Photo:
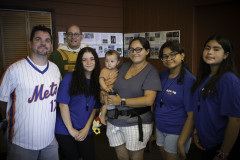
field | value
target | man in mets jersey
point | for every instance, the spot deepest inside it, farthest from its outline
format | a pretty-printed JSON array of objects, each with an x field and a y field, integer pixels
[{"x": 28, "y": 91}]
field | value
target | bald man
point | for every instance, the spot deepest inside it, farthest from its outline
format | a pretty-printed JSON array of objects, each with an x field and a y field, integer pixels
[{"x": 66, "y": 55}]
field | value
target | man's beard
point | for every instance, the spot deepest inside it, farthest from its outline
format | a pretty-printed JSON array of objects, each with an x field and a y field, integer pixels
[{"x": 43, "y": 53}]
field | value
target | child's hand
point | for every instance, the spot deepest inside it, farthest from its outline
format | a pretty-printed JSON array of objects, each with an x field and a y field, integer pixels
[
  {"x": 108, "y": 89},
  {"x": 73, "y": 132},
  {"x": 82, "y": 134},
  {"x": 197, "y": 141}
]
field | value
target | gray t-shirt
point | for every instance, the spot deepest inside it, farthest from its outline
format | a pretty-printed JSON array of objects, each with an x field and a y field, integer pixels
[{"x": 146, "y": 79}]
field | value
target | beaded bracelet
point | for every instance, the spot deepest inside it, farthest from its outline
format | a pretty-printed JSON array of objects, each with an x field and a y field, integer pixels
[{"x": 221, "y": 155}]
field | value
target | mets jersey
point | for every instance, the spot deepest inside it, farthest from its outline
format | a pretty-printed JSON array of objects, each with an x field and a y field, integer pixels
[{"x": 30, "y": 94}]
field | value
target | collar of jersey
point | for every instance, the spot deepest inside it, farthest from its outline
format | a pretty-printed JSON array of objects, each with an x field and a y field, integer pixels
[{"x": 42, "y": 72}]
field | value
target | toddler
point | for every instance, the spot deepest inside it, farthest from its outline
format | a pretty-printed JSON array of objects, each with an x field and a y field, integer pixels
[{"x": 107, "y": 78}]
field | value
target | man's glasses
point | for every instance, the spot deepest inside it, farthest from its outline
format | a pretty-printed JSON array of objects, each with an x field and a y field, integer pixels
[
  {"x": 138, "y": 50},
  {"x": 70, "y": 34},
  {"x": 171, "y": 55}
]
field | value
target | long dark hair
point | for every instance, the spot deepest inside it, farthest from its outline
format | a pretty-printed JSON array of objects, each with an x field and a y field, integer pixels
[
  {"x": 79, "y": 81},
  {"x": 227, "y": 65},
  {"x": 176, "y": 47}
]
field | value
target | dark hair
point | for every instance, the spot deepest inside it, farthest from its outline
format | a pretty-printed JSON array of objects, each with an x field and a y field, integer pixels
[
  {"x": 75, "y": 26},
  {"x": 79, "y": 81},
  {"x": 39, "y": 28},
  {"x": 144, "y": 42},
  {"x": 204, "y": 69},
  {"x": 112, "y": 52},
  {"x": 176, "y": 47}
]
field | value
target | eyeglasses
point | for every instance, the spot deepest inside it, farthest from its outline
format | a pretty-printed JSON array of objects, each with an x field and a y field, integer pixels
[
  {"x": 171, "y": 55},
  {"x": 138, "y": 50},
  {"x": 70, "y": 34}
]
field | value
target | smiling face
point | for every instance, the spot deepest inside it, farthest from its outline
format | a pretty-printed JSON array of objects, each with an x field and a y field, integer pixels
[
  {"x": 88, "y": 62},
  {"x": 137, "y": 57},
  {"x": 41, "y": 43},
  {"x": 74, "y": 37},
  {"x": 169, "y": 61},
  {"x": 213, "y": 53}
]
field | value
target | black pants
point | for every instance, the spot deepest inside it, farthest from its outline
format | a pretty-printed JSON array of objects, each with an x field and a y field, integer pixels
[
  {"x": 73, "y": 149},
  {"x": 197, "y": 154}
]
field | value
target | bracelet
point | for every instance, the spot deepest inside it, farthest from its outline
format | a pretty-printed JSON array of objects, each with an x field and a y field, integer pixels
[{"x": 221, "y": 155}]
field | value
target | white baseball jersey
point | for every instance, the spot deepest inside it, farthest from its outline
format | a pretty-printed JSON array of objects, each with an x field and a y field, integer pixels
[{"x": 31, "y": 97}]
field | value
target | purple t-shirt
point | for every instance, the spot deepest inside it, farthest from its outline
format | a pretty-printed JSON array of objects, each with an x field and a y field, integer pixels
[
  {"x": 146, "y": 79},
  {"x": 176, "y": 98},
  {"x": 79, "y": 113},
  {"x": 212, "y": 118}
]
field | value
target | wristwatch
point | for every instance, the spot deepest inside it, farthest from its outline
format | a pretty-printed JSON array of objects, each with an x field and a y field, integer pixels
[{"x": 123, "y": 102}]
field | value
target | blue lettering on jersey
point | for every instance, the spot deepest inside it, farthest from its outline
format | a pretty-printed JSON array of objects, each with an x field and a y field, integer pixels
[{"x": 39, "y": 94}]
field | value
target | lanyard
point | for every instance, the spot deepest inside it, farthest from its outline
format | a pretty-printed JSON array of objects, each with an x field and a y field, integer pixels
[
  {"x": 200, "y": 91},
  {"x": 163, "y": 92},
  {"x": 199, "y": 98},
  {"x": 88, "y": 98}
]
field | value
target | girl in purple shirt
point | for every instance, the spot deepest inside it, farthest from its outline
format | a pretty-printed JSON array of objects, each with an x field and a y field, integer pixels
[
  {"x": 173, "y": 107},
  {"x": 217, "y": 102},
  {"x": 78, "y": 98}
]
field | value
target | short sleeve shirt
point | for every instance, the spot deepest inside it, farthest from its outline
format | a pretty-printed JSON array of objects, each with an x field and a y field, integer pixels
[
  {"x": 176, "y": 102},
  {"x": 146, "y": 79},
  {"x": 211, "y": 117},
  {"x": 79, "y": 112}
]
